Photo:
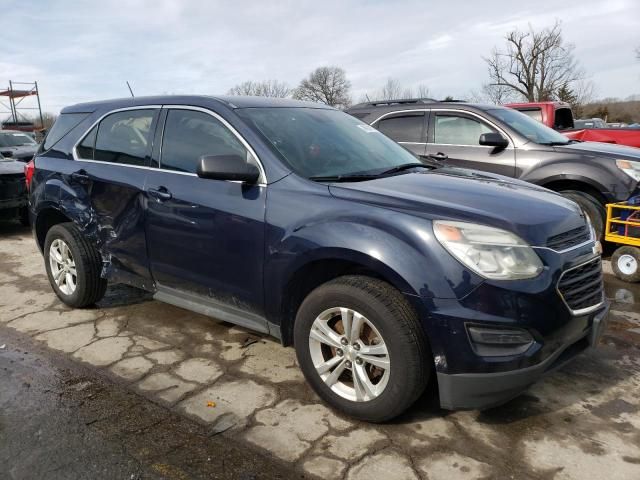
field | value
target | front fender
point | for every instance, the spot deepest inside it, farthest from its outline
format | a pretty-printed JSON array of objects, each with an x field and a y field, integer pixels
[
  {"x": 409, "y": 258},
  {"x": 602, "y": 176}
]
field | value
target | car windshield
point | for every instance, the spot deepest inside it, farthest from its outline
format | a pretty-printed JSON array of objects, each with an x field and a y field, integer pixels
[
  {"x": 317, "y": 142},
  {"x": 528, "y": 127},
  {"x": 15, "y": 139}
]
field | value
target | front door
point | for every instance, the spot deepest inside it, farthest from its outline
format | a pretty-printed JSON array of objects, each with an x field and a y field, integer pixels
[
  {"x": 205, "y": 237},
  {"x": 454, "y": 140}
]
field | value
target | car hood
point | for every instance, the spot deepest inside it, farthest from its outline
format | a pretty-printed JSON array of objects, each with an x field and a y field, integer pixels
[
  {"x": 534, "y": 213},
  {"x": 10, "y": 167},
  {"x": 23, "y": 152},
  {"x": 601, "y": 150}
]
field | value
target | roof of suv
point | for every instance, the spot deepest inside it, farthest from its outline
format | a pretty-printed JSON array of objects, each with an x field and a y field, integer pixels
[
  {"x": 363, "y": 110},
  {"x": 230, "y": 101}
]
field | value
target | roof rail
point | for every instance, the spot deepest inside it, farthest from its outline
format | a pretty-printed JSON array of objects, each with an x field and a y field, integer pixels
[{"x": 402, "y": 101}]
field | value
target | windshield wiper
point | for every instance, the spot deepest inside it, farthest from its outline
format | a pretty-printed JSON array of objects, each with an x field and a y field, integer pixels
[
  {"x": 406, "y": 166},
  {"x": 344, "y": 178}
]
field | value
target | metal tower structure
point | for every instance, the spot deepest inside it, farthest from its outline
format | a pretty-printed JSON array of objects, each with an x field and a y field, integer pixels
[{"x": 15, "y": 116}]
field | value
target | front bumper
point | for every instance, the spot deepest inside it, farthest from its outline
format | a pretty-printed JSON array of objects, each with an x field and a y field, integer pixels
[{"x": 486, "y": 390}]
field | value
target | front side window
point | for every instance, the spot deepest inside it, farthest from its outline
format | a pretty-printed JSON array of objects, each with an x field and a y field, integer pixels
[
  {"x": 457, "y": 130},
  {"x": 124, "y": 137},
  {"x": 405, "y": 128},
  {"x": 318, "y": 142},
  {"x": 189, "y": 134},
  {"x": 528, "y": 127}
]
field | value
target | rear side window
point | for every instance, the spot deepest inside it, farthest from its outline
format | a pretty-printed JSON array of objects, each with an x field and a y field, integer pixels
[
  {"x": 63, "y": 125},
  {"x": 455, "y": 130},
  {"x": 86, "y": 148},
  {"x": 404, "y": 128},
  {"x": 190, "y": 134},
  {"x": 122, "y": 137}
]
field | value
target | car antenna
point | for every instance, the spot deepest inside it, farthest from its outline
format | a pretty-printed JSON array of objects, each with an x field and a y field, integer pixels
[{"x": 131, "y": 91}]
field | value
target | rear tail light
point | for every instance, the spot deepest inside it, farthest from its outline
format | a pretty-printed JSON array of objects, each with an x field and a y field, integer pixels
[{"x": 29, "y": 169}]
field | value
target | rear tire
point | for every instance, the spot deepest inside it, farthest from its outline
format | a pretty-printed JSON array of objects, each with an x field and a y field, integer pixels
[
  {"x": 73, "y": 266},
  {"x": 591, "y": 207},
  {"x": 625, "y": 263},
  {"x": 374, "y": 392}
]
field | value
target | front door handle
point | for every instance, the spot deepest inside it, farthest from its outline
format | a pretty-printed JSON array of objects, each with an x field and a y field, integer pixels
[
  {"x": 161, "y": 193},
  {"x": 81, "y": 176},
  {"x": 438, "y": 156}
]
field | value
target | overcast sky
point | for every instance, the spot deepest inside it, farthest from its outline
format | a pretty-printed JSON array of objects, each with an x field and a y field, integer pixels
[{"x": 81, "y": 50}]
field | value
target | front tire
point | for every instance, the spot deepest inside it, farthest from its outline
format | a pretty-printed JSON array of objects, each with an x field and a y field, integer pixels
[
  {"x": 361, "y": 348},
  {"x": 73, "y": 266}
]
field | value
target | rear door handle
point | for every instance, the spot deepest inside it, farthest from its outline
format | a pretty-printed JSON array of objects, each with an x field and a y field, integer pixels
[
  {"x": 81, "y": 176},
  {"x": 161, "y": 193},
  {"x": 438, "y": 156}
]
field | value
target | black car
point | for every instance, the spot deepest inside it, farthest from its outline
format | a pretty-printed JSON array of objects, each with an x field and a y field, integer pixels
[
  {"x": 13, "y": 191},
  {"x": 17, "y": 145},
  {"x": 302, "y": 222},
  {"x": 507, "y": 142}
]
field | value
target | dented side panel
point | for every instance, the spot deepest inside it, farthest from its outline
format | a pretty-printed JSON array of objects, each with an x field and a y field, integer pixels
[{"x": 108, "y": 208}]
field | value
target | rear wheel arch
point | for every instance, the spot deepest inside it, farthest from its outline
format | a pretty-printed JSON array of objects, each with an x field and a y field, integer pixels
[{"x": 45, "y": 219}]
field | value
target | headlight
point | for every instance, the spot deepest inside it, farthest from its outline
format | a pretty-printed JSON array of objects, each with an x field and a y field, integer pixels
[
  {"x": 630, "y": 168},
  {"x": 490, "y": 252}
]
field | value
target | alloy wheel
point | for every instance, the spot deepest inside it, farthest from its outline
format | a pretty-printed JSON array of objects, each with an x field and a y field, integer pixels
[
  {"x": 63, "y": 267},
  {"x": 349, "y": 354}
]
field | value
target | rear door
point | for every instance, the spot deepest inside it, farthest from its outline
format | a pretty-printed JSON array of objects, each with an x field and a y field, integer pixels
[
  {"x": 112, "y": 162},
  {"x": 408, "y": 128},
  {"x": 205, "y": 237},
  {"x": 454, "y": 139}
]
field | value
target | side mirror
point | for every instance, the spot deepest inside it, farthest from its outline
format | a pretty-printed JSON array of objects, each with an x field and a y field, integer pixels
[
  {"x": 227, "y": 167},
  {"x": 493, "y": 139}
]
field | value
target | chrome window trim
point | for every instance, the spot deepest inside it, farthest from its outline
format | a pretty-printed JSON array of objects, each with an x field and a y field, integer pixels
[
  {"x": 262, "y": 181},
  {"x": 581, "y": 311}
]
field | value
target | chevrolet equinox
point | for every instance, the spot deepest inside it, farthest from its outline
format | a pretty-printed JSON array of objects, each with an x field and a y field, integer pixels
[{"x": 302, "y": 222}]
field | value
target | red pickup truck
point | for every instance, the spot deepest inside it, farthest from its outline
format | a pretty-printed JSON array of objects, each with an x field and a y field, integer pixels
[{"x": 558, "y": 115}]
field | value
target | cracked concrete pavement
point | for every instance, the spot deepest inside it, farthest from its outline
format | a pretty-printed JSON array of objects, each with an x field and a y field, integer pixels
[{"x": 579, "y": 423}]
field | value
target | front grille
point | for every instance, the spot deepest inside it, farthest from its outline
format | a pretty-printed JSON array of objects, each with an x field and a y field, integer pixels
[
  {"x": 582, "y": 287},
  {"x": 569, "y": 239}
]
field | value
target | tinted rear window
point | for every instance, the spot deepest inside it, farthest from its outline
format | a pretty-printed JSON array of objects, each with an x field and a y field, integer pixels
[
  {"x": 406, "y": 128},
  {"x": 124, "y": 137},
  {"x": 64, "y": 124}
]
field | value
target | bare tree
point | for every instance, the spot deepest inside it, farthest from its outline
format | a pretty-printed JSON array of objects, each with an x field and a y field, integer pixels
[
  {"x": 328, "y": 85},
  {"x": 535, "y": 64},
  {"x": 264, "y": 88},
  {"x": 393, "y": 90},
  {"x": 495, "y": 94},
  {"x": 422, "y": 91}
]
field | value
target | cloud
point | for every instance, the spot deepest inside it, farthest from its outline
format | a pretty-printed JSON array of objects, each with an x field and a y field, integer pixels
[{"x": 81, "y": 50}]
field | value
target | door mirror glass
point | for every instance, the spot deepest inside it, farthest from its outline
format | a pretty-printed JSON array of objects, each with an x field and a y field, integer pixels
[
  {"x": 493, "y": 139},
  {"x": 227, "y": 167}
]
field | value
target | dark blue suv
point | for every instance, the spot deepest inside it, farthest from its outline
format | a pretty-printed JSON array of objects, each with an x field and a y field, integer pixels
[{"x": 300, "y": 221}]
